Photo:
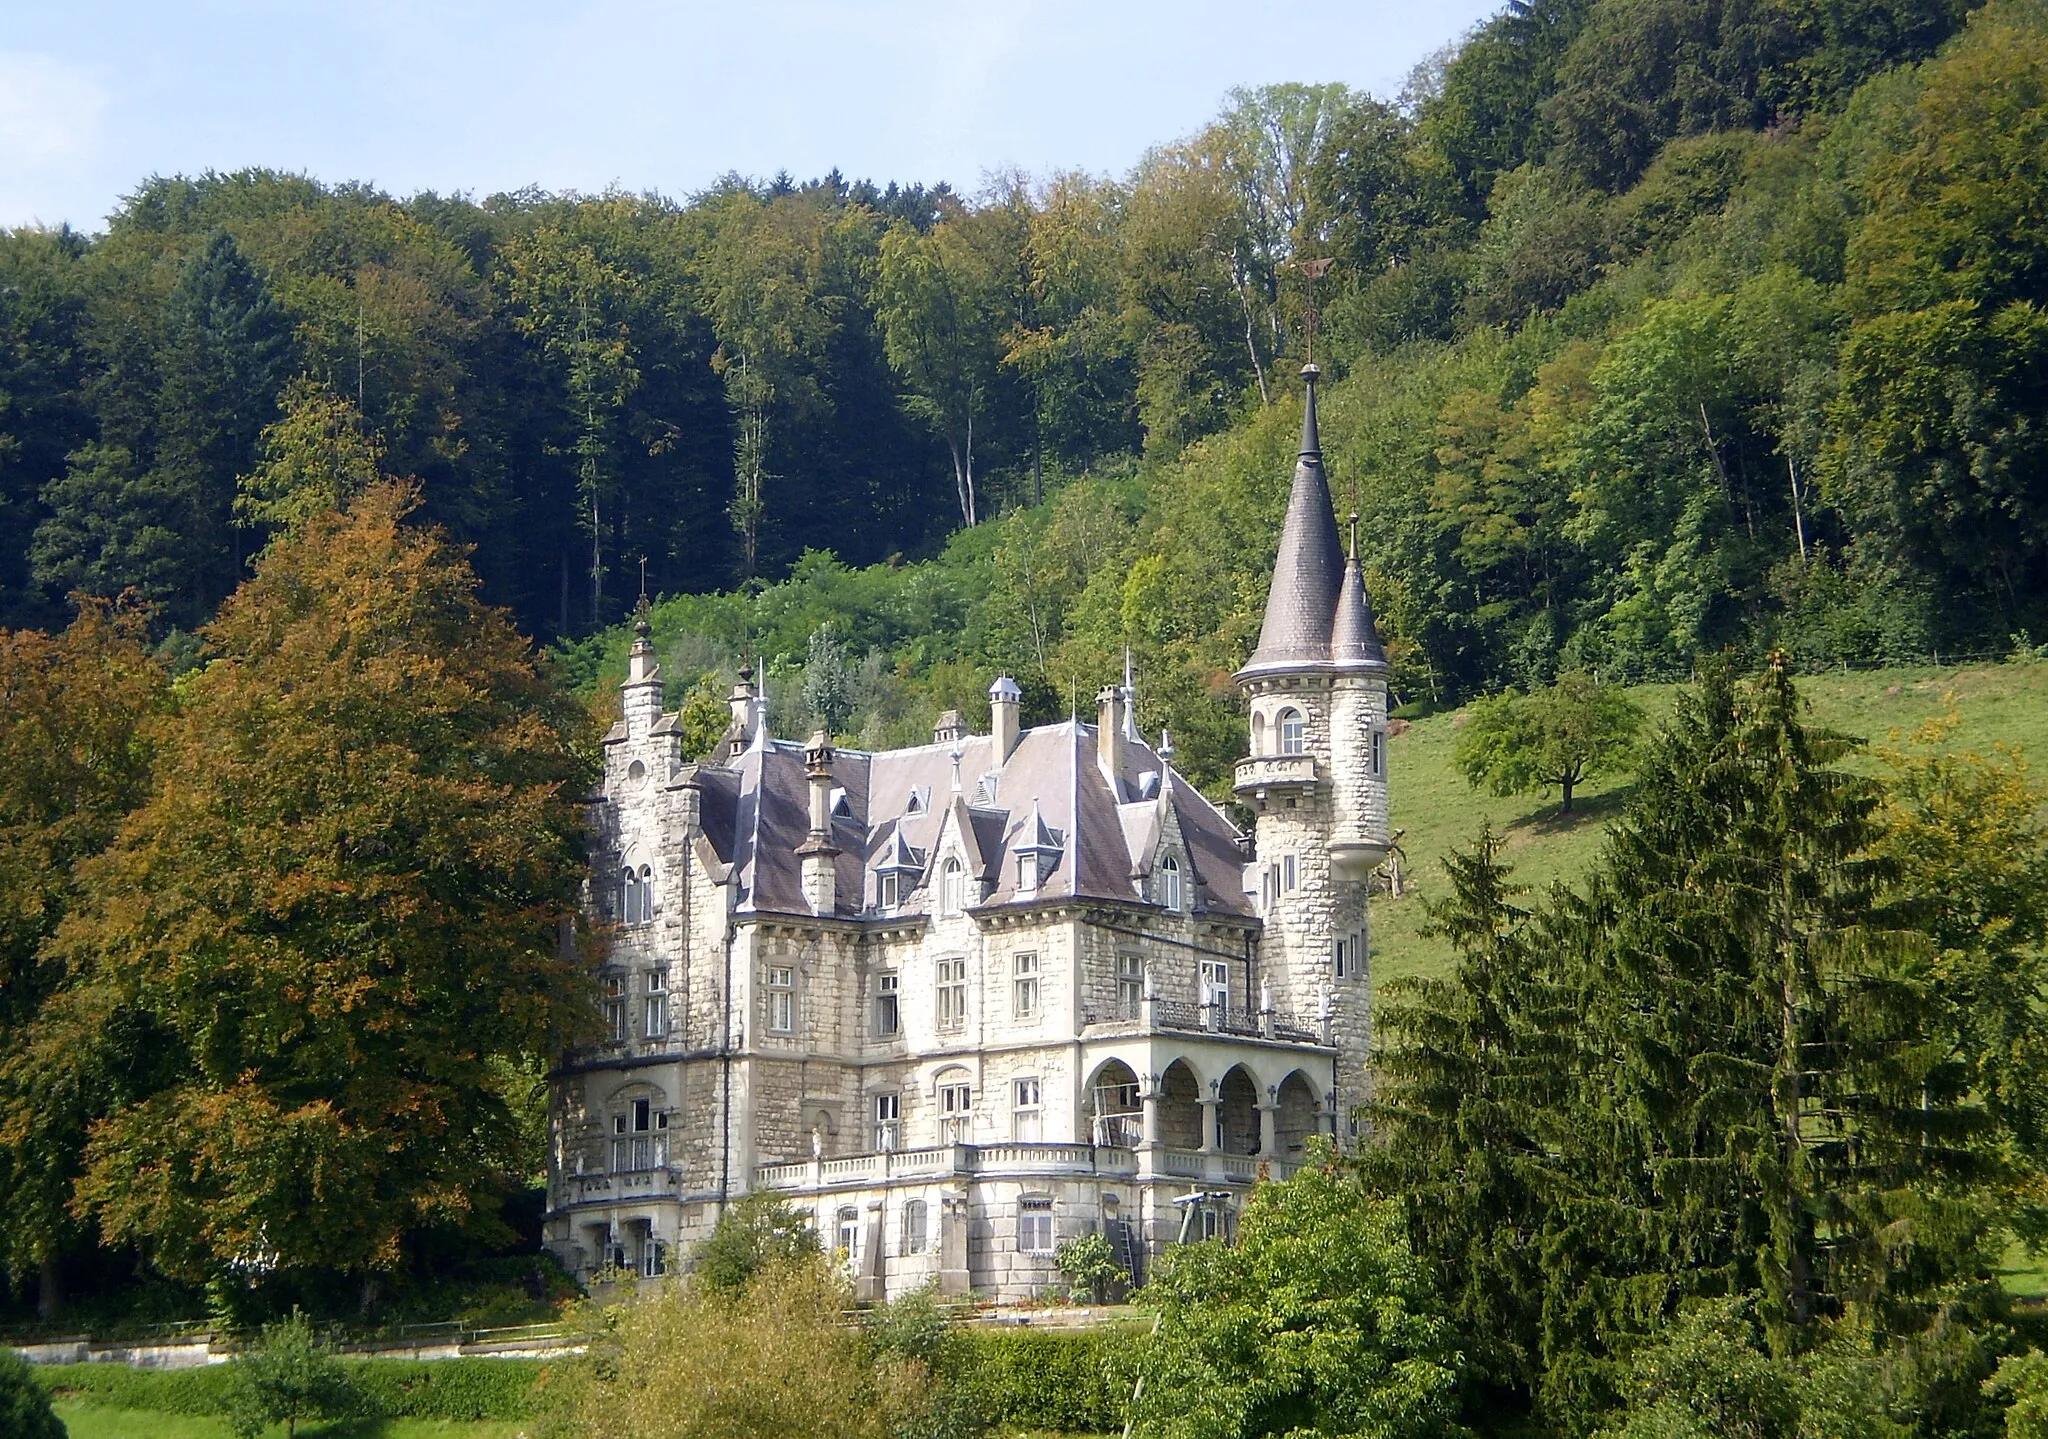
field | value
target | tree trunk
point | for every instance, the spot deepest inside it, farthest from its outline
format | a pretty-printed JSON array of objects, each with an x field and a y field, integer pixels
[
  {"x": 1251, "y": 344},
  {"x": 1566, "y": 785},
  {"x": 50, "y": 1287},
  {"x": 1798, "y": 511}
]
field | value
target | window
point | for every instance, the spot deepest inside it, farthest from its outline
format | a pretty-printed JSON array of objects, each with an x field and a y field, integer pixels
[
  {"x": 888, "y": 1121},
  {"x": 849, "y": 1232},
  {"x": 1293, "y": 732},
  {"x": 1026, "y": 1115},
  {"x": 1024, "y": 986},
  {"x": 1216, "y": 983},
  {"x": 1342, "y": 957},
  {"x": 653, "y": 1258},
  {"x": 956, "y": 1112},
  {"x": 1212, "y": 1222},
  {"x": 782, "y": 1001},
  {"x": 888, "y": 1005},
  {"x": 950, "y": 888},
  {"x": 1034, "y": 1226},
  {"x": 1169, "y": 883},
  {"x": 615, "y": 1007},
  {"x": 1027, "y": 871},
  {"x": 1351, "y": 956},
  {"x": 1287, "y": 874},
  {"x": 1130, "y": 985},
  {"x": 1379, "y": 753},
  {"x": 639, "y": 1138},
  {"x": 892, "y": 890},
  {"x": 656, "y": 1016},
  {"x": 952, "y": 993},
  {"x": 913, "y": 1227},
  {"x": 636, "y": 895}
]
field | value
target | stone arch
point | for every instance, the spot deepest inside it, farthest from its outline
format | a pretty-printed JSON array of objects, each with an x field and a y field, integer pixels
[
  {"x": 1180, "y": 1106},
  {"x": 1258, "y": 732},
  {"x": 1115, "y": 1112},
  {"x": 824, "y": 1130},
  {"x": 1300, "y": 1114},
  {"x": 1291, "y": 726},
  {"x": 1237, "y": 1116}
]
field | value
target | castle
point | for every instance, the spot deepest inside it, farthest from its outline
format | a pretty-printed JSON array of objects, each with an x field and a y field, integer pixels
[{"x": 964, "y": 1001}]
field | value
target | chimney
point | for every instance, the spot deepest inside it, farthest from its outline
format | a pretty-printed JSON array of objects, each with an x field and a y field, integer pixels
[
  {"x": 819, "y": 855},
  {"x": 740, "y": 733},
  {"x": 950, "y": 729},
  {"x": 1109, "y": 734},
  {"x": 640, "y": 696},
  {"x": 1003, "y": 699}
]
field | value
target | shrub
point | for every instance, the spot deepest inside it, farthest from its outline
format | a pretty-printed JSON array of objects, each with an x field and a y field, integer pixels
[
  {"x": 458, "y": 1389},
  {"x": 24, "y": 1406},
  {"x": 289, "y": 1375},
  {"x": 1075, "y": 1382}
]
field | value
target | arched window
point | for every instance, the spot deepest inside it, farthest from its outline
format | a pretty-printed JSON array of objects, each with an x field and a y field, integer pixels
[
  {"x": 636, "y": 895},
  {"x": 950, "y": 887},
  {"x": 913, "y": 1227},
  {"x": 1169, "y": 883},
  {"x": 1293, "y": 732}
]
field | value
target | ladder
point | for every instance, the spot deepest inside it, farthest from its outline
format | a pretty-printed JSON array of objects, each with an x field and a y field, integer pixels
[{"x": 1125, "y": 1247}]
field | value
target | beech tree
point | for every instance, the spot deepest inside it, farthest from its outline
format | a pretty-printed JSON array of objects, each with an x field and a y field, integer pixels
[{"x": 347, "y": 898}]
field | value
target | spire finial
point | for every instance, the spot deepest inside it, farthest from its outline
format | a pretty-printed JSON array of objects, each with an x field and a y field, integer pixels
[{"x": 1354, "y": 534}]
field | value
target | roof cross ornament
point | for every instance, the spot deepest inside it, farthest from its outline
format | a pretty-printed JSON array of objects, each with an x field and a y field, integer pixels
[{"x": 1314, "y": 270}]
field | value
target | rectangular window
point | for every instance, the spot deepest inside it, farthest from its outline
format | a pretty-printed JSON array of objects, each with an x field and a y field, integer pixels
[
  {"x": 956, "y": 1113},
  {"x": 639, "y": 1138},
  {"x": 615, "y": 1007},
  {"x": 1130, "y": 985},
  {"x": 1379, "y": 753},
  {"x": 888, "y": 1006},
  {"x": 1027, "y": 1126},
  {"x": 888, "y": 1121},
  {"x": 1287, "y": 873},
  {"x": 653, "y": 1259},
  {"x": 1034, "y": 1226},
  {"x": 782, "y": 1001},
  {"x": 655, "y": 1018},
  {"x": 1343, "y": 957},
  {"x": 891, "y": 890},
  {"x": 913, "y": 1227},
  {"x": 1024, "y": 986},
  {"x": 952, "y": 993},
  {"x": 1216, "y": 983}
]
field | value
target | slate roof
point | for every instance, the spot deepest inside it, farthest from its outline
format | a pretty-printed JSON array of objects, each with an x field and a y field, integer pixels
[
  {"x": 1050, "y": 792},
  {"x": 1317, "y": 613}
]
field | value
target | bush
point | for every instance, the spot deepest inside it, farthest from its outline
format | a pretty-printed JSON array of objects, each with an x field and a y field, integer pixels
[
  {"x": 459, "y": 1389},
  {"x": 24, "y": 1406},
  {"x": 287, "y": 1376},
  {"x": 1076, "y": 1382}
]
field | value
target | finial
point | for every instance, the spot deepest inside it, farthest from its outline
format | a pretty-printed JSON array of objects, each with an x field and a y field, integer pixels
[
  {"x": 956, "y": 766},
  {"x": 1354, "y": 534},
  {"x": 641, "y": 628},
  {"x": 643, "y": 579},
  {"x": 1165, "y": 746}
]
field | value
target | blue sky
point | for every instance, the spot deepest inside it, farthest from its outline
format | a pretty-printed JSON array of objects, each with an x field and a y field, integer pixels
[{"x": 581, "y": 94}]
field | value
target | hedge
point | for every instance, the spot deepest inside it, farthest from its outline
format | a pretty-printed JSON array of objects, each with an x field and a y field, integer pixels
[
  {"x": 472, "y": 1389},
  {"x": 1075, "y": 1381}
]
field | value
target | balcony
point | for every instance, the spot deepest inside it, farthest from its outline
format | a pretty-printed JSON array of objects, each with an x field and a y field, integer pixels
[
  {"x": 1178, "y": 1016},
  {"x": 990, "y": 1160},
  {"x": 1262, "y": 775}
]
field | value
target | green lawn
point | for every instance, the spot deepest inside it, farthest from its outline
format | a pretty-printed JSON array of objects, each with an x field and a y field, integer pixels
[
  {"x": 1439, "y": 811},
  {"x": 89, "y": 1421}
]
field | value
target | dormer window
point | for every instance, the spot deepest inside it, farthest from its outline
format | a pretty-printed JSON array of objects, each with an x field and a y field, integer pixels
[
  {"x": 1170, "y": 883},
  {"x": 1293, "y": 732},
  {"x": 917, "y": 803},
  {"x": 1027, "y": 870},
  {"x": 897, "y": 872},
  {"x": 892, "y": 890}
]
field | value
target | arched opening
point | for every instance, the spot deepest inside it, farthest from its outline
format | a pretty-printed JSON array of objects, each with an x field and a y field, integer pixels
[
  {"x": 1115, "y": 1116},
  {"x": 1293, "y": 732},
  {"x": 824, "y": 1134},
  {"x": 1180, "y": 1107},
  {"x": 1258, "y": 733},
  {"x": 1237, "y": 1117},
  {"x": 949, "y": 888},
  {"x": 1299, "y": 1116}
]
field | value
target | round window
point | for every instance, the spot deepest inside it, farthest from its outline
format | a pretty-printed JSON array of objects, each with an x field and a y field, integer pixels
[{"x": 637, "y": 772}]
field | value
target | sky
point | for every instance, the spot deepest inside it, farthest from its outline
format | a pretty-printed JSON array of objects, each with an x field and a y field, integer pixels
[{"x": 461, "y": 95}]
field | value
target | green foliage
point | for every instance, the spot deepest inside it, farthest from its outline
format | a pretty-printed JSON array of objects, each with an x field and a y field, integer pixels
[
  {"x": 759, "y": 1232},
  {"x": 1319, "y": 1321},
  {"x": 1089, "y": 1265},
  {"x": 1561, "y": 736},
  {"x": 288, "y": 1375},
  {"x": 451, "y": 1389},
  {"x": 24, "y": 1404},
  {"x": 1063, "y": 1382},
  {"x": 2022, "y": 1381}
]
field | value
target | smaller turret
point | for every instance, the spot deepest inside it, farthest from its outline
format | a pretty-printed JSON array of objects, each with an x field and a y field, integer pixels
[
  {"x": 819, "y": 855},
  {"x": 640, "y": 696}
]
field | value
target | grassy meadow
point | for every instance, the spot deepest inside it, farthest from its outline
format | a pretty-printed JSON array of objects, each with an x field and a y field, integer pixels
[
  {"x": 91, "y": 1421},
  {"x": 1996, "y": 704}
]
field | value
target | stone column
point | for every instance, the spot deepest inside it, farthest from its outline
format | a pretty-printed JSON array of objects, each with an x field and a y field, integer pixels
[
  {"x": 1211, "y": 1109},
  {"x": 872, "y": 1287},
  {"x": 1269, "y": 1131},
  {"x": 953, "y": 1275}
]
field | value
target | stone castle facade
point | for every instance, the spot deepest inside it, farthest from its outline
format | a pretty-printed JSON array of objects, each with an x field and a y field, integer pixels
[{"x": 964, "y": 1001}]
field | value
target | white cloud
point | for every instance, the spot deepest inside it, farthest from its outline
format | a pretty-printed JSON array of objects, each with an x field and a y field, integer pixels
[{"x": 49, "y": 113}]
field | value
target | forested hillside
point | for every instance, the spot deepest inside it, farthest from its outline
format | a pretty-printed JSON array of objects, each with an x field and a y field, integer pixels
[{"x": 1657, "y": 327}]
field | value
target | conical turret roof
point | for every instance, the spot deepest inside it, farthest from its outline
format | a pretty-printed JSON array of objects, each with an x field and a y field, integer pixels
[{"x": 1315, "y": 601}]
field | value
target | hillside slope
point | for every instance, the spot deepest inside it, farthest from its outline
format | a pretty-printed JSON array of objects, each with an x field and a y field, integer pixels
[{"x": 1438, "y": 811}]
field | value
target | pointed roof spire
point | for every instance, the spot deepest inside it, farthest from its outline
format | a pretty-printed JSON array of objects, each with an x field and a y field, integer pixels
[{"x": 1309, "y": 569}]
